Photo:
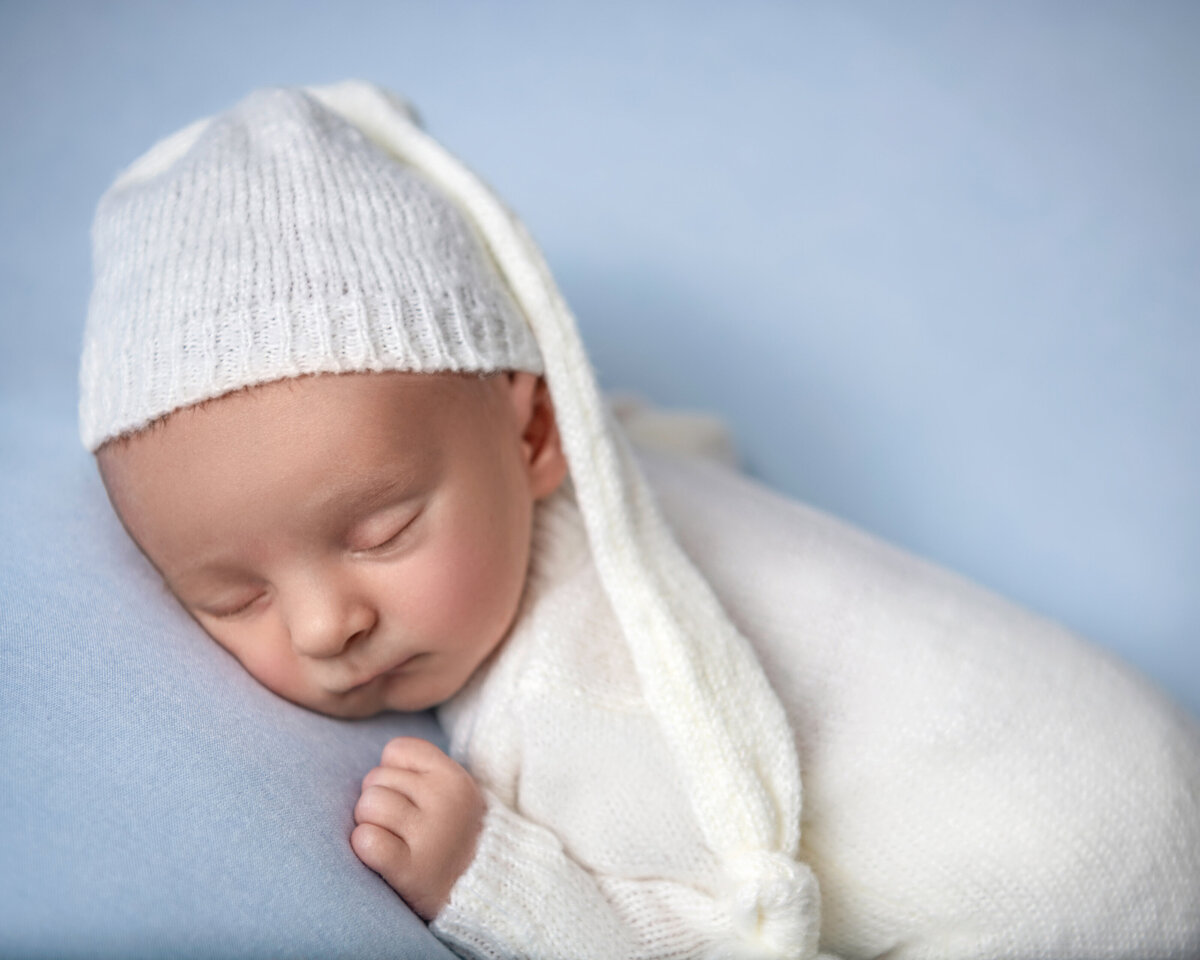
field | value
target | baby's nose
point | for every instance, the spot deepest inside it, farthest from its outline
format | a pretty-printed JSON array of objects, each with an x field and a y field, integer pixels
[{"x": 324, "y": 620}]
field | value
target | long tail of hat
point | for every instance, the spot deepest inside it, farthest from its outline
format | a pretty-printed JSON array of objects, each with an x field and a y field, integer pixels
[{"x": 700, "y": 677}]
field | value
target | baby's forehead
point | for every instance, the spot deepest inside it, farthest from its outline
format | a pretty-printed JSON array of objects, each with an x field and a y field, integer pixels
[
  {"x": 356, "y": 436},
  {"x": 293, "y": 406}
]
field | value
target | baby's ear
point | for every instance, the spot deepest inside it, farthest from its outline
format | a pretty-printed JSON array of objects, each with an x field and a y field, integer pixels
[{"x": 541, "y": 445}]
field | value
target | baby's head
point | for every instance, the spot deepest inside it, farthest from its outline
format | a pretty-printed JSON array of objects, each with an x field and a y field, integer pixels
[
  {"x": 358, "y": 541},
  {"x": 315, "y": 403}
]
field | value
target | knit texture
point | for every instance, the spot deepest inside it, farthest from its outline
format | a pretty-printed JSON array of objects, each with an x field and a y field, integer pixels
[
  {"x": 979, "y": 783},
  {"x": 280, "y": 239},
  {"x": 590, "y": 847},
  {"x": 272, "y": 241}
]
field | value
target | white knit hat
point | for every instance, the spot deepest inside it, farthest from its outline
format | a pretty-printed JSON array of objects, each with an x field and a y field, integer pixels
[
  {"x": 320, "y": 229},
  {"x": 272, "y": 241}
]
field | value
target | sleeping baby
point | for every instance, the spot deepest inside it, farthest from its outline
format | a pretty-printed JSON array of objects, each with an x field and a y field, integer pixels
[{"x": 338, "y": 402}]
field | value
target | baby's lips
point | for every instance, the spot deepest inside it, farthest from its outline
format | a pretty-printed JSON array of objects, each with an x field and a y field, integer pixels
[{"x": 391, "y": 671}]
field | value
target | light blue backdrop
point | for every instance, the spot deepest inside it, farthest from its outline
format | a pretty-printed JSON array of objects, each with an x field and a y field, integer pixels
[{"x": 937, "y": 263}]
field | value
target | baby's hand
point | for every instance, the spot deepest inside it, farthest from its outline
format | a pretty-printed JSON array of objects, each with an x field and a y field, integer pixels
[{"x": 418, "y": 818}]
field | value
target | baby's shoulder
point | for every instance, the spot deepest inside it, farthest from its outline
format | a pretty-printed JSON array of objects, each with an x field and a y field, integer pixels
[{"x": 574, "y": 642}]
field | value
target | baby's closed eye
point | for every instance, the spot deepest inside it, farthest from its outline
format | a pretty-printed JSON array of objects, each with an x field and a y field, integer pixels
[
  {"x": 228, "y": 609},
  {"x": 380, "y": 534}
]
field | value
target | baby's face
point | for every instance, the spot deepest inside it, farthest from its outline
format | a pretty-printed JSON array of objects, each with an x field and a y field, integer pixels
[{"x": 359, "y": 542}]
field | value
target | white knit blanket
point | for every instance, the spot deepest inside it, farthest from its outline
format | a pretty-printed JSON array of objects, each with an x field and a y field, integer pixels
[{"x": 978, "y": 782}]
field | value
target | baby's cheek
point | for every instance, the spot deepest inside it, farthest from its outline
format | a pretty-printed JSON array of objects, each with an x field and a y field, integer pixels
[
  {"x": 273, "y": 665},
  {"x": 478, "y": 590}
]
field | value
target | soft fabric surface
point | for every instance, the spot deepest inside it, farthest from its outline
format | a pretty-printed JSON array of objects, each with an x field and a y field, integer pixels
[
  {"x": 591, "y": 848},
  {"x": 978, "y": 781}
]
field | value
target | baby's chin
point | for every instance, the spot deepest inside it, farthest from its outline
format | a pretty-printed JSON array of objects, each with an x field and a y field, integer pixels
[
  {"x": 362, "y": 707},
  {"x": 346, "y": 711}
]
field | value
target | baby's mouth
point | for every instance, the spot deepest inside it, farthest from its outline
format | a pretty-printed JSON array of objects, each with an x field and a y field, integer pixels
[
  {"x": 403, "y": 666},
  {"x": 392, "y": 671}
]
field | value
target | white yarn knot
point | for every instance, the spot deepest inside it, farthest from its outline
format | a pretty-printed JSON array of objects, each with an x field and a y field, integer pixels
[{"x": 775, "y": 905}]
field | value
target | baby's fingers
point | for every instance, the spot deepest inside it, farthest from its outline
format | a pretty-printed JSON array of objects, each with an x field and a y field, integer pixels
[
  {"x": 404, "y": 782},
  {"x": 384, "y": 852},
  {"x": 413, "y": 753},
  {"x": 386, "y": 808}
]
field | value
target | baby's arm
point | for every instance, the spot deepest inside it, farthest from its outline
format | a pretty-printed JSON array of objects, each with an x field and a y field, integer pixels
[
  {"x": 525, "y": 897},
  {"x": 421, "y": 820},
  {"x": 419, "y": 816},
  {"x": 426, "y": 827}
]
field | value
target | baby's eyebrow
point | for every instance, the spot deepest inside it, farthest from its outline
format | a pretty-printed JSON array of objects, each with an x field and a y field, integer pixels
[{"x": 358, "y": 497}]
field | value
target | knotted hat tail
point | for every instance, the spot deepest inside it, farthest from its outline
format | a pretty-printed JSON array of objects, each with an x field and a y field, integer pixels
[{"x": 700, "y": 677}]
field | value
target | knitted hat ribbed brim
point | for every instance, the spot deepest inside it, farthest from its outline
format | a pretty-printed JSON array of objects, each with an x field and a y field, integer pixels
[{"x": 273, "y": 241}]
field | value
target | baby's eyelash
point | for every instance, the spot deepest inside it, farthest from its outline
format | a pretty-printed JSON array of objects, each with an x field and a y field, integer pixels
[
  {"x": 393, "y": 538},
  {"x": 226, "y": 614},
  {"x": 390, "y": 540}
]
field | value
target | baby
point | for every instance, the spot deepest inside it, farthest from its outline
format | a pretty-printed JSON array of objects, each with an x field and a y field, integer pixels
[{"x": 337, "y": 401}]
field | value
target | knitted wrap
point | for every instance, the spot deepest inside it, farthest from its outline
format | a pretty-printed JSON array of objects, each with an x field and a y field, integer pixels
[{"x": 321, "y": 230}]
